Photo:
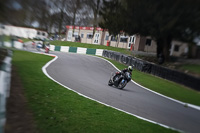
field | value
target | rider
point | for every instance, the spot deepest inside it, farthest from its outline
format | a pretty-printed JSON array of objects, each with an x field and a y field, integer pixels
[{"x": 129, "y": 69}]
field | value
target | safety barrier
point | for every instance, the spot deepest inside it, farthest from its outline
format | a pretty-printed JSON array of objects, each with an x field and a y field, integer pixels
[
  {"x": 14, "y": 44},
  {"x": 5, "y": 78},
  {"x": 154, "y": 69},
  {"x": 78, "y": 50}
]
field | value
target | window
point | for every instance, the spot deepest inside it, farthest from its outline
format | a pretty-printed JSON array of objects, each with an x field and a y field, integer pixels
[
  {"x": 176, "y": 48},
  {"x": 148, "y": 42},
  {"x": 123, "y": 39},
  {"x": 89, "y": 36},
  {"x": 82, "y": 35},
  {"x": 114, "y": 38},
  {"x": 43, "y": 34},
  {"x": 131, "y": 39},
  {"x": 38, "y": 33},
  {"x": 75, "y": 34},
  {"x": 107, "y": 37},
  {"x": 96, "y": 38}
]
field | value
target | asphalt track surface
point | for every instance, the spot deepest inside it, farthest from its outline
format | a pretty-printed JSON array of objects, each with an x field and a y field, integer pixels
[{"x": 89, "y": 76}]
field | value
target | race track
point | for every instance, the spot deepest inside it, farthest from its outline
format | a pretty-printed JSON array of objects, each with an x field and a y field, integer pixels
[{"x": 89, "y": 76}]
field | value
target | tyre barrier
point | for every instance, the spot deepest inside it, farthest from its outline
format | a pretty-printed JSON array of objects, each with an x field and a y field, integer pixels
[
  {"x": 78, "y": 50},
  {"x": 151, "y": 68},
  {"x": 5, "y": 78}
]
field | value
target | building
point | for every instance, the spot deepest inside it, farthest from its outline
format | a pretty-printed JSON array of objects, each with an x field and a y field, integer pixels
[
  {"x": 134, "y": 42},
  {"x": 85, "y": 34},
  {"x": 23, "y": 32}
]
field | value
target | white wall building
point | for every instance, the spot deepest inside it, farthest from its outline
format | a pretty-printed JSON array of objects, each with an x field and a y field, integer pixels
[
  {"x": 136, "y": 42},
  {"x": 23, "y": 32}
]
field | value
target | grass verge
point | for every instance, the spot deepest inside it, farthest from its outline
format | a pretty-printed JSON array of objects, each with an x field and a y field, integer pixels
[
  {"x": 8, "y": 39},
  {"x": 194, "y": 68},
  {"x": 57, "y": 109}
]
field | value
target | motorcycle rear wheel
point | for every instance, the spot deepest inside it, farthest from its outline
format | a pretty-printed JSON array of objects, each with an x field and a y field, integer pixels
[{"x": 110, "y": 83}]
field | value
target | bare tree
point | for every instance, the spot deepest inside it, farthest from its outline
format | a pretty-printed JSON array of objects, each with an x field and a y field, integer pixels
[
  {"x": 60, "y": 10},
  {"x": 94, "y": 7},
  {"x": 75, "y": 7}
]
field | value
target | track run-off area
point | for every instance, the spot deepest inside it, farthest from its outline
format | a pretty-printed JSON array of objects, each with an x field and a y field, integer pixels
[{"x": 88, "y": 76}]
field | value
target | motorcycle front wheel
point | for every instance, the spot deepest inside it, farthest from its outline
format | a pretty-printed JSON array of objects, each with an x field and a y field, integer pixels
[{"x": 122, "y": 84}]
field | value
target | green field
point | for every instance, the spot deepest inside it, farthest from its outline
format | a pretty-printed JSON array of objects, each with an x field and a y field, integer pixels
[
  {"x": 8, "y": 39},
  {"x": 193, "y": 68},
  {"x": 57, "y": 109}
]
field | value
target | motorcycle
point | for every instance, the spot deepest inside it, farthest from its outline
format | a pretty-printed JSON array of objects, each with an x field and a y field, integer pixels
[
  {"x": 119, "y": 80},
  {"x": 39, "y": 46},
  {"x": 47, "y": 47},
  {"x": 43, "y": 47}
]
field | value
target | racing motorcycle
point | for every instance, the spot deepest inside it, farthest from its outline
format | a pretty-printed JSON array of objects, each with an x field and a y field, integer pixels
[
  {"x": 119, "y": 80},
  {"x": 39, "y": 46},
  {"x": 43, "y": 47},
  {"x": 47, "y": 47}
]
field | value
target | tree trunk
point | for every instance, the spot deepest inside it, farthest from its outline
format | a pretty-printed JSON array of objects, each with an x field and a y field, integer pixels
[
  {"x": 96, "y": 12},
  {"x": 160, "y": 56},
  {"x": 60, "y": 21},
  {"x": 166, "y": 51},
  {"x": 73, "y": 21},
  {"x": 163, "y": 49},
  {"x": 167, "y": 44},
  {"x": 94, "y": 22}
]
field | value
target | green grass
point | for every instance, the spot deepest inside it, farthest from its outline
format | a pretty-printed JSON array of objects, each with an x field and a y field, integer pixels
[
  {"x": 26, "y": 40},
  {"x": 194, "y": 68},
  {"x": 59, "y": 110},
  {"x": 85, "y": 45},
  {"x": 163, "y": 86},
  {"x": 8, "y": 39}
]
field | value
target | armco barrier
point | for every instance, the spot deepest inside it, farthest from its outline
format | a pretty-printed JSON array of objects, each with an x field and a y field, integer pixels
[
  {"x": 14, "y": 44},
  {"x": 5, "y": 77},
  {"x": 154, "y": 69}
]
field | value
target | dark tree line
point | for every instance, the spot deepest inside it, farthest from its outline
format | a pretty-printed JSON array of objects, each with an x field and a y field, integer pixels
[{"x": 163, "y": 20}]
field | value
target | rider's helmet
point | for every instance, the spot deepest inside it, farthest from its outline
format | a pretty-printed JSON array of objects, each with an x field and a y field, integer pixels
[{"x": 130, "y": 68}]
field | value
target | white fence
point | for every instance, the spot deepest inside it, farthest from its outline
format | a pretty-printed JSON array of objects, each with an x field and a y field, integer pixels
[
  {"x": 5, "y": 78},
  {"x": 23, "y": 32}
]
